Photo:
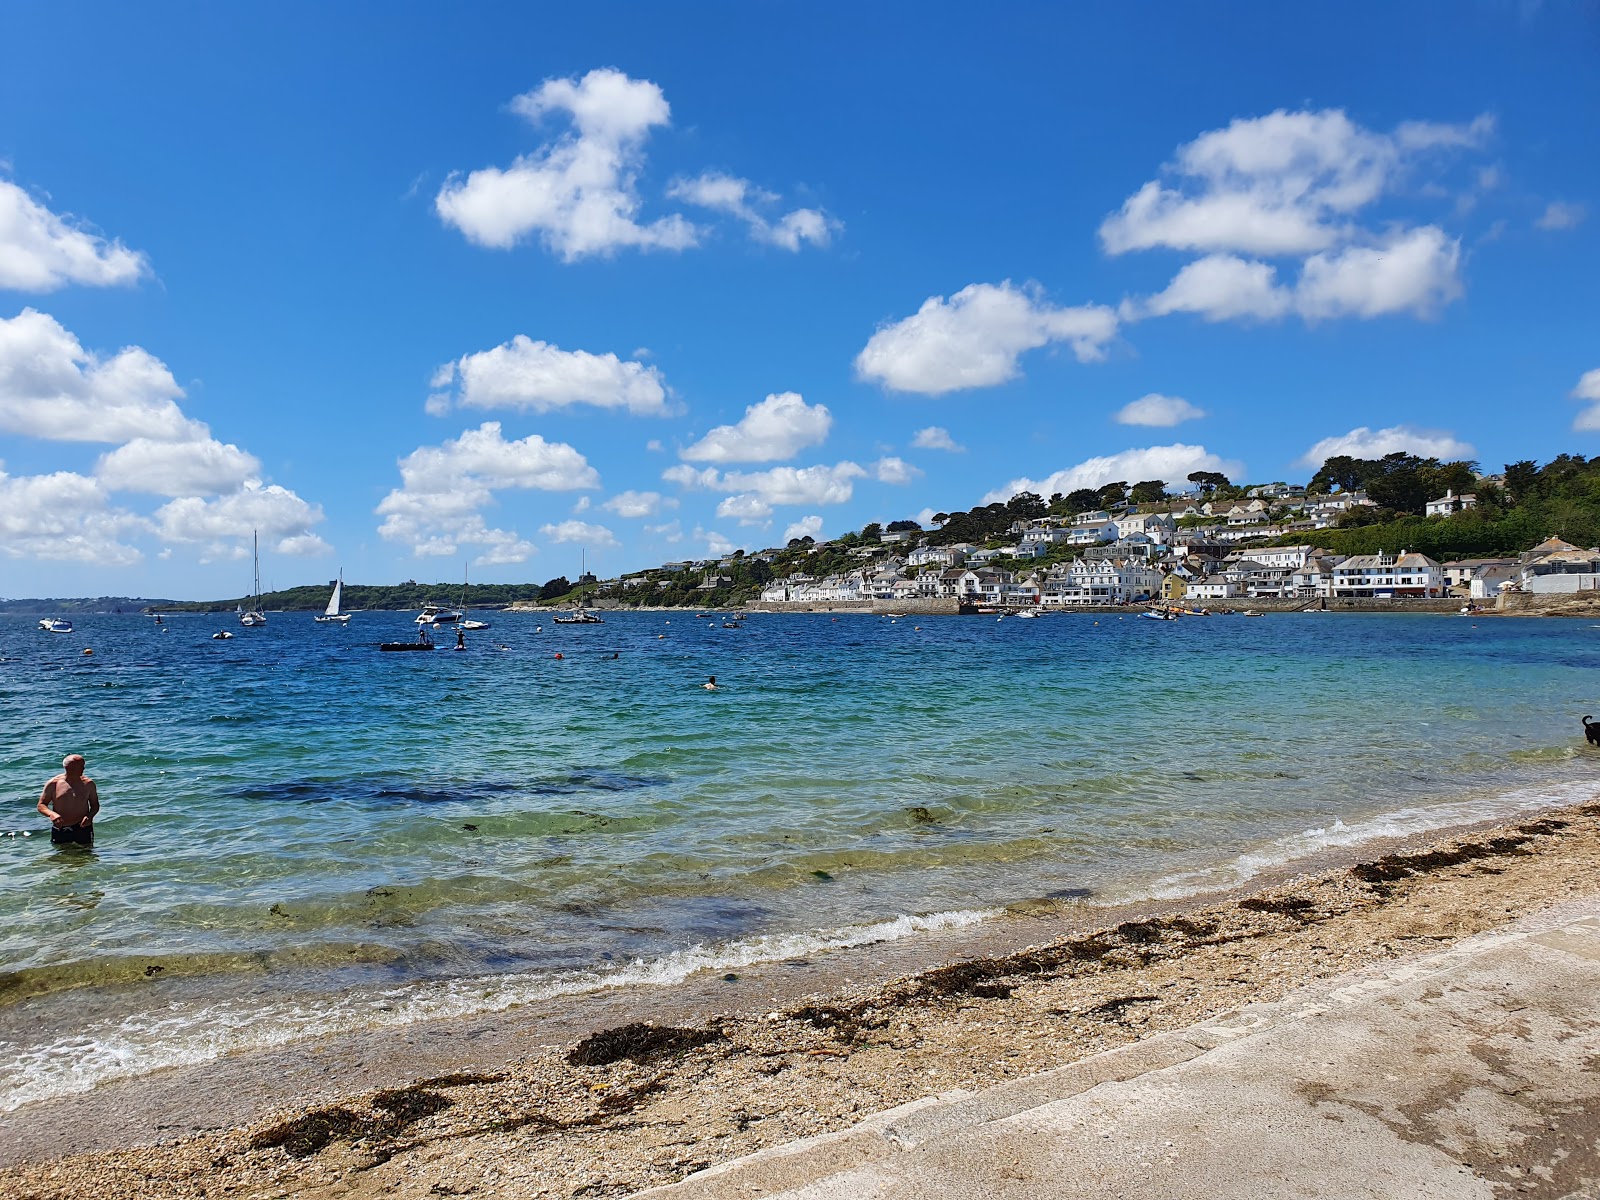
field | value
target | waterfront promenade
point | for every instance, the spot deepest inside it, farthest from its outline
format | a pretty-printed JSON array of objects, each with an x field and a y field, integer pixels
[{"x": 1461, "y": 1074}]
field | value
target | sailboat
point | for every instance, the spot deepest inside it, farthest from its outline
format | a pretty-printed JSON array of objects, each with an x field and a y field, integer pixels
[
  {"x": 255, "y": 616},
  {"x": 331, "y": 615},
  {"x": 467, "y": 622},
  {"x": 583, "y": 616}
]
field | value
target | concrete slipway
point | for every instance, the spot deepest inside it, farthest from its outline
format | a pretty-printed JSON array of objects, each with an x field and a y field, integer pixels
[{"x": 1468, "y": 1073}]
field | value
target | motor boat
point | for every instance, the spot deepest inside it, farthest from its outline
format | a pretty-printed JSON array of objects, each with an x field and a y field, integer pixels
[
  {"x": 435, "y": 614},
  {"x": 55, "y": 625},
  {"x": 222, "y": 635},
  {"x": 581, "y": 617}
]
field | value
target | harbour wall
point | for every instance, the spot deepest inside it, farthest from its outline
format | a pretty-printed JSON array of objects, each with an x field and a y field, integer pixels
[{"x": 928, "y": 607}]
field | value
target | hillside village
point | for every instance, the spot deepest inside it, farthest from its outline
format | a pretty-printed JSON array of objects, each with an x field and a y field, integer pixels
[{"x": 1217, "y": 543}]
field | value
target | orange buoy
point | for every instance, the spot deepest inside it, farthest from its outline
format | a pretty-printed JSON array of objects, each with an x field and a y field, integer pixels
[
  {"x": 559, "y": 654},
  {"x": 86, "y": 650}
]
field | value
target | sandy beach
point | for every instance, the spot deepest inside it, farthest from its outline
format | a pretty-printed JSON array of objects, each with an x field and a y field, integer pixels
[{"x": 536, "y": 1107}]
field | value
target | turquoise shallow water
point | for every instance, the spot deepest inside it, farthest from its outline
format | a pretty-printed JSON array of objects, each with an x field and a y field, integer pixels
[{"x": 301, "y": 833}]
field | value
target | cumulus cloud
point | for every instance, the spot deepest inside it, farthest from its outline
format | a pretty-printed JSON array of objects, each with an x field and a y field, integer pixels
[
  {"x": 741, "y": 199},
  {"x": 778, "y": 427},
  {"x": 935, "y": 437},
  {"x": 1363, "y": 442},
  {"x": 1171, "y": 463},
  {"x": 579, "y": 193},
  {"x": 283, "y": 520},
  {"x": 65, "y": 517},
  {"x": 529, "y": 376},
  {"x": 717, "y": 543},
  {"x": 581, "y": 532},
  {"x": 810, "y": 527},
  {"x": 1293, "y": 185},
  {"x": 1560, "y": 215},
  {"x": 1221, "y": 287},
  {"x": 670, "y": 532},
  {"x": 779, "y": 485},
  {"x": 975, "y": 338},
  {"x": 202, "y": 468},
  {"x": 637, "y": 504},
  {"x": 51, "y": 387},
  {"x": 443, "y": 488},
  {"x": 747, "y": 508},
  {"x": 41, "y": 251},
  {"x": 1410, "y": 271},
  {"x": 1158, "y": 410},
  {"x": 895, "y": 470},
  {"x": 1588, "y": 390}
]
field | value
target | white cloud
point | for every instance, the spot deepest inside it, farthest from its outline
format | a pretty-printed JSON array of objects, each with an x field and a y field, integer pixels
[
  {"x": 65, "y": 517},
  {"x": 810, "y": 527},
  {"x": 581, "y": 532},
  {"x": 895, "y": 470},
  {"x": 670, "y": 532},
  {"x": 779, "y": 485},
  {"x": 1293, "y": 185},
  {"x": 778, "y": 427},
  {"x": 40, "y": 251},
  {"x": 197, "y": 468},
  {"x": 1221, "y": 287},
  {"x": 51, "y": 387},
  {"x": 579, "y": 193},
  {"x": 717, "y": 544},
  {"x": 636, "y": 504},
  {"x": 529, "y": 376},
  {"x": 1156, "y": 409},
  {"x": 444, "y": 487},
  {"x": 1561, "y": 215},
  {"x": 974, "y": 339},
  {"x": 1412, "y": 271},
  {"x": 741, "y": 199},
  {"x": 1283, "y": 184},
  {"x": 935, "y": 437},
  {"x": 1363, "y": 442},
  {"x": 747, "y": 508},
  {"x": 1171, "y": 463},
  {"x": 925, "y": 517},
  {"x": 1588, "y": 390},
  {"x": 582, "y": 505},
  {"x": 654, "y": 445},
  {"x": 282, "y": 518}
]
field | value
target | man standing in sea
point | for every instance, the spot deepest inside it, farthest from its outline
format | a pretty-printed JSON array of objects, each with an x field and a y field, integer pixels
[{"x": 71, "y": 801}]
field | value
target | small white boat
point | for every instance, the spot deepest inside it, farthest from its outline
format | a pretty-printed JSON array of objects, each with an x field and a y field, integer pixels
[
  {"x": 581, "y": 617},
  {"x": 1155, "y": 614},
  {"x": 467, "y": 622},
  {"x": 1027, "y": 614},
  {"x": 255, "y": 616},
  {"x": 56, "y": 625},
  {"x": 331, "y": 615},
  {"x": 437, "y": 614},
  {"x": 222, "y": 635}
]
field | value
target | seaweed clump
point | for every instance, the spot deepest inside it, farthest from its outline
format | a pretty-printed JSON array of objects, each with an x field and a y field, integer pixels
[{"x": 640, "y": 1043}]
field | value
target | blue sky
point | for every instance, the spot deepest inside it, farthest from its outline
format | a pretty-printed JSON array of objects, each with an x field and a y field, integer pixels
[{"x": 411, "y": 287}]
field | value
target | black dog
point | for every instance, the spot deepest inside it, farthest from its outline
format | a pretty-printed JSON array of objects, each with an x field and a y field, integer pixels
[{"x": 1591, "y": 730}]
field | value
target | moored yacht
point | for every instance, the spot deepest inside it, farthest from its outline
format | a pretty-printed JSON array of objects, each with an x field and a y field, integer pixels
[
  {"x": 56, "y": 625},
  {"x": 435, "y": 614}
]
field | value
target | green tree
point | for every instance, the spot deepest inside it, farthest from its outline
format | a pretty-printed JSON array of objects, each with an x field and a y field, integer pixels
[
  {"x": 1112, "y": 494},
  {"x": 1082, "y": 500},
  {"x": 1148, "y": 491},
  {"x": 1208, "y": 481},
  {"x": 559, "y": 586}
]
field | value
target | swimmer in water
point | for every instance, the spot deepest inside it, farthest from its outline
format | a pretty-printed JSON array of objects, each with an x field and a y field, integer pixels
[
  {"x": 72, "y": 802},
  {"x": 710, "y": 685}
]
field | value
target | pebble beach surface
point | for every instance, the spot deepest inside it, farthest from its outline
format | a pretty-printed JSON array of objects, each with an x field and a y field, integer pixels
[{"x": 609, "y": 1111}]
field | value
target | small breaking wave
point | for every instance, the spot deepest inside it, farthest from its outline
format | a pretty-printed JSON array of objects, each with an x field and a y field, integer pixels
[
  {"x": 1404, "y": 822},
  {"x": 180, "y": 1035}
]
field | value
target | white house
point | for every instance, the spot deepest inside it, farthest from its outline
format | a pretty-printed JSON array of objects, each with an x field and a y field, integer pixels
[
  {"x": 1563, "y": 571},
  {"x": 1449, "y": 504},
  {"x": 1292, "y": 557},
  {"x": 1089, "y": 534},
  {"x": 1386, "y": 575},
  {"x": 1155, "y": 526},
  {"x": 1095, "y": 516},
  {"x": 1214, "y": 587}
]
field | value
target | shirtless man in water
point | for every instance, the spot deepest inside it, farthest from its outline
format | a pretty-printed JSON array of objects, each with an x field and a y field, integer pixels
[{"x": 71, "y": 802}]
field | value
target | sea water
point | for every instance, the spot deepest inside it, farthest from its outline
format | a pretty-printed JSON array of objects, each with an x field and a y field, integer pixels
[{"x": 302, "y": 834}]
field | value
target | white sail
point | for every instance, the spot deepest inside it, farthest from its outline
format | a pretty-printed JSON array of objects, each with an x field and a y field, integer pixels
[{"x": 333, "y": 601}]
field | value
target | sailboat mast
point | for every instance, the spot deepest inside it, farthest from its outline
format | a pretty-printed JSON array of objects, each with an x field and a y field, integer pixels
[{"x": 255, "y": 543}]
